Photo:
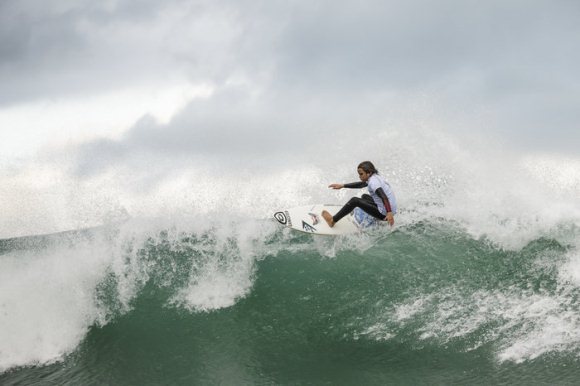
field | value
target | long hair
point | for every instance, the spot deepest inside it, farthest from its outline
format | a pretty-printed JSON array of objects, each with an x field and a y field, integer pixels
[{"x": 368, "y": 167}]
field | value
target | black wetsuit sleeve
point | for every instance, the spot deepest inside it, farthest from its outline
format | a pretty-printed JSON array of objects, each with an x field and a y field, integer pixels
[
  {"x": 355, "y": 185},
  {"x": 381, "y": 193}
]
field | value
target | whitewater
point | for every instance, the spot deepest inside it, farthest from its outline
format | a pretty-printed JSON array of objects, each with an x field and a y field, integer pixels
[{"x": 117, "y": 279}]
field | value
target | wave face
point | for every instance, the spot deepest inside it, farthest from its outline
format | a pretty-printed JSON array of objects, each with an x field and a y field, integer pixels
[
  {"x": 190, "y": 280},
  {"x": 245, "y": 300}
]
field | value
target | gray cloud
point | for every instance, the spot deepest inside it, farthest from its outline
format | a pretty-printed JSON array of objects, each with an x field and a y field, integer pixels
[
  {"x": 63, "y": 48},
  {"x": 313, "y": 69}
]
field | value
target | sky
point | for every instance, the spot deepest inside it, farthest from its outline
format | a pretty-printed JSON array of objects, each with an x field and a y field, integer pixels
[
  {"x": 96, "y": 85},
  {"x": 187, "y": 76}
]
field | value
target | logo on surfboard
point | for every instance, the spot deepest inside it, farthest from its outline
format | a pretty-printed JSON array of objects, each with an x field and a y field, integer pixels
[
  {"x": 314, "y": 218},
  {"x": 283, "y": 218},
  {"x": 308, "y": 227}
]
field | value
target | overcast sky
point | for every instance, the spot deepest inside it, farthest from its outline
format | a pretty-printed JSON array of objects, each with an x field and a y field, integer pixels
[{"x": 119, "y": 77}]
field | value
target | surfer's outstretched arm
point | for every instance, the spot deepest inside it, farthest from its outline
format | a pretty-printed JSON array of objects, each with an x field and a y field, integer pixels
[{"x": 351, "y": 185}]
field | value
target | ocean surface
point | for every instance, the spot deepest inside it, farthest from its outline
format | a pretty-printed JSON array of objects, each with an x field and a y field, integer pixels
[
  {"x": 425, "y": 303},
  {"x": 478, "y": 283}
]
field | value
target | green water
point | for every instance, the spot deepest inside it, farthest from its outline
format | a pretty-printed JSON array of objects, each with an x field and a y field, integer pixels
[{"x": 420, "y": 306}]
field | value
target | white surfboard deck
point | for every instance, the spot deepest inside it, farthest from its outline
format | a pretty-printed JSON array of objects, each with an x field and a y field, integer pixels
[{"x": 309, "y": 219}]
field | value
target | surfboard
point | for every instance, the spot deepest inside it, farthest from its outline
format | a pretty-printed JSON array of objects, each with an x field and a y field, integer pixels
[{"x": 309, "y": 219}]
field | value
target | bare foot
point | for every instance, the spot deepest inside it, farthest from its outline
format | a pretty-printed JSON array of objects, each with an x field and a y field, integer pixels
[{"x": 328, "y": 217}]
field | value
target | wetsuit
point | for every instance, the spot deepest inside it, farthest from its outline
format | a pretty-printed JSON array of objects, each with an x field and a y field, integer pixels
[{"x": 377, "y": 204}]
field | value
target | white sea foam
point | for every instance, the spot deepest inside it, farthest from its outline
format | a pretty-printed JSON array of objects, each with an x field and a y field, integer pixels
[
  {"x": 50, "y": 297},
  {"x": 223, "y": 271},
  {"x": 47, "y": 303},
  {"x": 410, "y": 308},
  {"x": 520, "y": 323},
  {"x": 376, "y": 332}
]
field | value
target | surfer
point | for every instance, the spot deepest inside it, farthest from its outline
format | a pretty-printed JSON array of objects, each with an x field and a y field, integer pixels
[{"x": 380, "y": 204}]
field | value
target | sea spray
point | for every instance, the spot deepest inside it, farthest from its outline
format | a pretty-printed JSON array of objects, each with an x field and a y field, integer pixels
[
  {"x": 48, "y": 301},
  {"x": 482, "y": 258}
]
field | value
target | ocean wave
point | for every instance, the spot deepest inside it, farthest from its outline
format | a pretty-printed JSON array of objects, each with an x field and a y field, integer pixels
[{"x": 450, "y": 287}]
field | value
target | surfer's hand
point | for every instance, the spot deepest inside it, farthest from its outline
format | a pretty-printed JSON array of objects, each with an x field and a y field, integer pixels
[
  {"x": 336, "y": 186},
  {"x": 390, "y": 218}
]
